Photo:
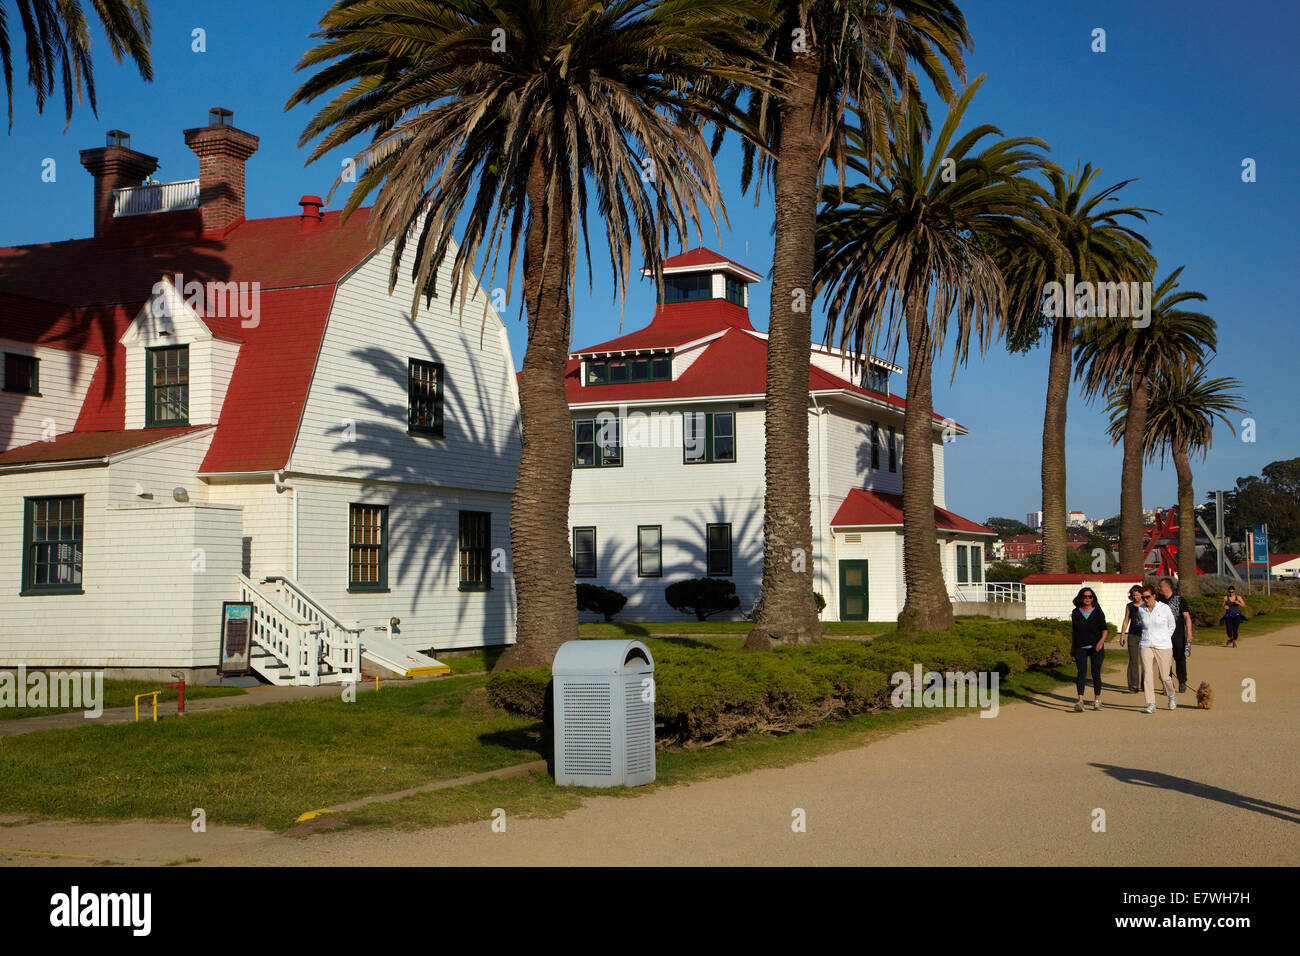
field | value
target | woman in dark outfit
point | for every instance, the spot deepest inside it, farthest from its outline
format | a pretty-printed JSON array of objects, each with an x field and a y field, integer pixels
[
  {"x": 1088, "y": 640},
  {"x": 1130, "y": 633},
  {"x": 1232, "y": 614}
]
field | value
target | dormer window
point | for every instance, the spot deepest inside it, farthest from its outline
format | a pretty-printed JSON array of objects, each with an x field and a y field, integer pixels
[
  {"x": 734, "y": 291},
  {"x": 877, "y": 379},
  {"x": 22, "y": 374},
  {"x": 632, "y": 368},
  {"x": 167, "y": 381}
]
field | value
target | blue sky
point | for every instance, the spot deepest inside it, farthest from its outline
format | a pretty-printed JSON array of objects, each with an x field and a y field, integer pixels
[{"x": 1184, "y": 92}]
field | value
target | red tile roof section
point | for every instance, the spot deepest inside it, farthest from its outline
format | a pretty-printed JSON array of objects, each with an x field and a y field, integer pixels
[
  {"x": 90, "y": 445},
  {"x": 1081, "y": 578},
  {"x": 866, "y": 509}
]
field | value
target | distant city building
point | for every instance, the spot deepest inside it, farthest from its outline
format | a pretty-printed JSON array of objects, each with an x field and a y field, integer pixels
[
  {"x": 1077, "y": 519},
  {"x": 1020, "y": 546},
  {"x": 1035, "y": 520}
]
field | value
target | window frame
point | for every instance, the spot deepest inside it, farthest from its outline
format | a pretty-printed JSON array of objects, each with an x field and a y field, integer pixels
[
  {"x": 595, "y": 555},
  {"x": 484, "y": 551},
  {"x": 593, "y": 364},
  {"x": 435, "y": 430},
  {"x": 150, "y": 419},
  {"x": 703, "y": 282},
  {"x": 977, "y": 564},
  {"x": 369, "y": 587},
  {"x": 598, "y": 451},
  {"x": 893, "y": 449},
  {"x": 875, "y": 445},
  {"x": 963, "y": 564},
  {"x": 710, "y": 452},
  {"x": 33, "y": 386},
  {"x": 29, "y": 587},
  {"x": 709, "y": 551},
  {"x": 641, "y": 572}
]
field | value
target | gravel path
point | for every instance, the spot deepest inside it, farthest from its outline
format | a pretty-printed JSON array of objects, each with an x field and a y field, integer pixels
[{"x": 1188, "y": 787}]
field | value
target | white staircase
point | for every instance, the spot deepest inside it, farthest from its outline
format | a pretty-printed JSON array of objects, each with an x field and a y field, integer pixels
[{"x": 296, "y": 641}]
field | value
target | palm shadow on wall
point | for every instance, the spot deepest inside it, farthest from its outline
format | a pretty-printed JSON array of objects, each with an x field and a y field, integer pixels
[{"x": 424, "y": 545}]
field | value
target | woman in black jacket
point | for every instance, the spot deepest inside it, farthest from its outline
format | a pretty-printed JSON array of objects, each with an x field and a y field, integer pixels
[{"x": 1088, "y": 641}]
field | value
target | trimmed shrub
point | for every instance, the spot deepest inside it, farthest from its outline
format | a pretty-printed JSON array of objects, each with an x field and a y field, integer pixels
[
  {"x": 707, "y": 694},
  {"x": 821, "y": 602},
  {"x": 1207, "y": 609},
  {"x": 702, "y": 597},
  {"x": 598, "y": 600}
]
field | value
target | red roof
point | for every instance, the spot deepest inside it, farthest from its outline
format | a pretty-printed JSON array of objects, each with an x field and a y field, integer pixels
[
  {"x": 704, "y": 258},
  {"x": 868, "y": 509},
  {"x": 83, "y": 294},
  {"x": 91, "y": 445},
  {"x": 1081, "y": 578},
  {"x": 1273, "y": 561}
]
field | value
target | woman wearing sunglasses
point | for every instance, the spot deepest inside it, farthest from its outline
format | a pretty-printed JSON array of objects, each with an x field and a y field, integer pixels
[
  {"x": 1088, "y": 642},
  {"x": 1232, "y": 614},
  {"x": 1157, "y": 648},
  {"x": 1130, "y": 633}
]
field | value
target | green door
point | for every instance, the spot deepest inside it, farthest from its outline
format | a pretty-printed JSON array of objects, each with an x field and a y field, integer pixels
[{"x": 853, "y": 590}]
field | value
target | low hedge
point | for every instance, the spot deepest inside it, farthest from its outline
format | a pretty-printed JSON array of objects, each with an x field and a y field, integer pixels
[
  {"x": 1208, "y": 608},
  {"x": 706, "y": 694}
]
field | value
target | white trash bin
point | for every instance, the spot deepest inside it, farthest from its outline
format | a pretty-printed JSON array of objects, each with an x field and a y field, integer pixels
[{"x": 604, "y": 714}]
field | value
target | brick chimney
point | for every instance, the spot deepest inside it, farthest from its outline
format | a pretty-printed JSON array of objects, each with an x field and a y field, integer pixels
[
  {"x": 115, "y": 166},
  {"x": 222, "y": 150}
]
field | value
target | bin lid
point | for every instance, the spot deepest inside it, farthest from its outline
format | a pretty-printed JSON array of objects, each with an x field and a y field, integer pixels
[{"x": 599, "y": 657}]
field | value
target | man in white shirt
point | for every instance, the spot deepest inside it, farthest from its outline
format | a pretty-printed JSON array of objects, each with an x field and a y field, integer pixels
[{"x": 1157, "y": 648}]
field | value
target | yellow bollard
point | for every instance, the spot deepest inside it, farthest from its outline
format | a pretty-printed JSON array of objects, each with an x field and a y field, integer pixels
[{"x": 154, "y": 694}]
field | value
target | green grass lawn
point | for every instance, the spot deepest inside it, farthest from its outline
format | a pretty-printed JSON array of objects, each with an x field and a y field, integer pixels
[
  {"x": 1257, "y": 626},
  {"x": 691, "y": 628},
  {"x": 268, "y": 764},
  {"x": 121, "y": 693}
]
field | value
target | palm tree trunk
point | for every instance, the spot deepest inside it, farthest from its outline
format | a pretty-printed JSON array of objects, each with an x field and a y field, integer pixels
[
  {"x": 1188, "y": 585},
  {"x": 926, "y": 606},
  {"x": 1055, "y": 518},
  {"x": 546, "y": 600},
  {"x": 787, "y": 612},
  {"x": 1131, "y": 558}
]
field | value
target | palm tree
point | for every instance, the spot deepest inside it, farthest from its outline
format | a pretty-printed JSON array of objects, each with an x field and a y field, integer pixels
[
  {"x": 503, "y": 117},
  {"x": 834, "y": 52},
  {"x": 1181, "y": 408},
  {"x": 923, "y": 232},
  {"x": 1113, "y": 352},
  {"x": 1098, "y": 245},
  {"x": 57, "y": 40}
]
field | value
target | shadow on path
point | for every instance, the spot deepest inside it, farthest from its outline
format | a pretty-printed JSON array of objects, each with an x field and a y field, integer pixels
[{"x": 1164, "y": 781}]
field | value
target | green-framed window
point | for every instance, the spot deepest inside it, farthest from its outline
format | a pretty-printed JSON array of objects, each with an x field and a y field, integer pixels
[
  {"x": 52, "y": 536},
  {"x": 877, "y": 380},
  {"x": 584, "y": 552},
  {"x": 976, "y": 564},
  {"x": 734, "y": 290},
  {"x": 708, "y": 437},
  {"x": 718, "y": 547},
  {"x": 424, "y": 398},
  {"x": 688, "y": 288},
  {"x": 22, "y": 374},
  {"x": 598, "y": 442},
  {"x": 621, "y": 370},
  {"x": 167, "y": 382},
  {"x": 649, "y": 551},
  {"x": 875, "y": 445},
  {"x": 893, "y": 449},
  {"x": 475, "y": 550},
  {"x": 963, "y": 568},
  {"x": 367, "y": 547}
]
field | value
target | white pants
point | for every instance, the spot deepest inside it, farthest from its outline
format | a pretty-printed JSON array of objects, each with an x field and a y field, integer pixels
[{"x": 1153, "y": 657}]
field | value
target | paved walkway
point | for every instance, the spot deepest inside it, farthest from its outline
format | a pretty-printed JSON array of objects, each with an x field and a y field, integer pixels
[{"x": 1188, "y": 787}]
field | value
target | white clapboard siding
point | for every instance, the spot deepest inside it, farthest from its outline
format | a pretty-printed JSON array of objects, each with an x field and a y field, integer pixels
[
  {"x": 158, "y": 471},
  {"x": 268, "y": 521},
  {"x": 355, "y": 423},
  {"x": 153, "y": 578},
  {"x": 423, "y": 562},
  {"x": 883, "y": 552},
  {"x": 62, "y": 379}
]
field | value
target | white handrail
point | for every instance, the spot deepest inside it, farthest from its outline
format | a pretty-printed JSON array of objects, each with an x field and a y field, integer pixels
[
  {"x": 339, "y": 644},
  {"x": 150, "y": 198}
]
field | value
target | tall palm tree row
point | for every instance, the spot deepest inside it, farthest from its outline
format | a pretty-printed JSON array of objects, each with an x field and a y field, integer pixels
[
  {"x": 1098, "y": 243},
  {"x": 1117, "y": 353},
  {"x": 833, "y": 52},
  {"x": 912, "y": 252},
  {"x": 501, "y": 119},
  {"x": 57, "y": 39},
  {"x": 1181, "y": 410}
]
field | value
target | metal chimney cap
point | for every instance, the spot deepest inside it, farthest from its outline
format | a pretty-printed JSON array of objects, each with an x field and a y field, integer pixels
[{"x": 220, "y": 116}]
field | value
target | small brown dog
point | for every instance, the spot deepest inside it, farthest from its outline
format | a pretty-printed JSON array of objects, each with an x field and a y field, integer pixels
[{"x": 1204, "y": 696}]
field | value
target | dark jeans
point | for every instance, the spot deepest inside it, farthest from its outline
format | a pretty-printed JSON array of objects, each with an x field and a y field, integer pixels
[
  {"x": 1082, "y": 655},
  {"x": 1180, "y": 655},
  {"x": 1233, "y": 624}
]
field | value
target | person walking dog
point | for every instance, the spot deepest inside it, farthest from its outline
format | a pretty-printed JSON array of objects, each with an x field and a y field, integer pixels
[
  {"x": 1182, "y": 630},
  {"x": 1130, "y": 633},
  {"x": 1088, "y": 642},
  {"x": 1157, "y": 648},
  {"x": 1232, "y": 614}
]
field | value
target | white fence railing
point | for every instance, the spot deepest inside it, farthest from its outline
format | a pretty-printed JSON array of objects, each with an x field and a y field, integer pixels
[
  {"x": 300, "y": 634},
  {"x": 990, "y": 592},
  {"x": 155, "y": 197}
]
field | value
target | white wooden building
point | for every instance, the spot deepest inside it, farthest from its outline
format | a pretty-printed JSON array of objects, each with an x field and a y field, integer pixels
[
  {"x": 669, "y": 460},
  {"x": 199, "y": 408}
]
